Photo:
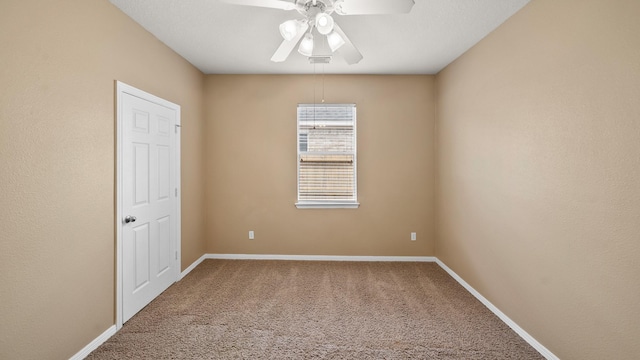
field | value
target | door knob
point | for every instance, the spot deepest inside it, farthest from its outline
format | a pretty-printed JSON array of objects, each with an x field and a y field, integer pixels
[{"x": 129, "y": 219}]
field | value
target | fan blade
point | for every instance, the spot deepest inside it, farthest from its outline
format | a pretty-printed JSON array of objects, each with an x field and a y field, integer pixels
[
  {"x": 274, "y": 4},
  {"x": 348, "y": 51},
  {"x": 287, "y": 45},
  {"x": 373, "y": 7}
]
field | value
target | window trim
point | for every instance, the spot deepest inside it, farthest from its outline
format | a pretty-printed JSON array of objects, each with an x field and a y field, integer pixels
[{"x": 328, "y": 204}]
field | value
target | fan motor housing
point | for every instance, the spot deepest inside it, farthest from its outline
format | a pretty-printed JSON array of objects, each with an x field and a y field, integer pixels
[{"x": 310, "y": 8}]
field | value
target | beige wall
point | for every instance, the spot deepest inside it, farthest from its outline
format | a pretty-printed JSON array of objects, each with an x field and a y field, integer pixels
[
  {"x": 251, "y": 166},
  {"x": 58, "y": 63},
  {"x": 538, "y": 187}
]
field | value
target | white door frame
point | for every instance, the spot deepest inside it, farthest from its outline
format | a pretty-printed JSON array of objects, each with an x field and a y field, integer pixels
[{"x": 122, "y": 88}]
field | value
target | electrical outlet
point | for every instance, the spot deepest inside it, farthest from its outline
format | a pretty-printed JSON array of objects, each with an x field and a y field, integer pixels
[
  {"x": 413, "y": 236},
  {"x": 251, "y": 235}
]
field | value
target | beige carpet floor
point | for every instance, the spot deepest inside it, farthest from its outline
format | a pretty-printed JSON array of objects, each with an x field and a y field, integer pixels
[{"x": 236, "y": 309}]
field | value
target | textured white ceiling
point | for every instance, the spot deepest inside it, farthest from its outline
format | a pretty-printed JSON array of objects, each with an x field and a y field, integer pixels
[{"x": 220, "y": 38}]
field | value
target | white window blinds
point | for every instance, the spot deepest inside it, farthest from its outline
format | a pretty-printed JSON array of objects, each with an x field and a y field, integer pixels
[{"x": 327, "y": 156}]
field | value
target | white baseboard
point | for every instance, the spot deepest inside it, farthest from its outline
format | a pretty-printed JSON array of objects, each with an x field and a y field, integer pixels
[
  {"x": 192, "y": 266},
  {"x": 520, "y": 331},
  {"x": 321, "y": 257},
  {"x": 94, "y": 344}
]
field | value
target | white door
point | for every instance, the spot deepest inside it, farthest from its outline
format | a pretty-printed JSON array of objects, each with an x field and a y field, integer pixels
[{"x": 149, "y": 201}]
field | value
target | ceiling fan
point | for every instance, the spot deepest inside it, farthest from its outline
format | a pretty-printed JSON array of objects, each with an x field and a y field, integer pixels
[{"x": 317, "y": 33}]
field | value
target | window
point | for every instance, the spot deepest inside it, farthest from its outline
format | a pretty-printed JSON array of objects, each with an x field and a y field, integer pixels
[{"x": 327, "y": 156}]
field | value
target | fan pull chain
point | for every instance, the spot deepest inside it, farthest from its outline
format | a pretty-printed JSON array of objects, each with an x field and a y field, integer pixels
[
  {"x": 314, "y": 96},
  {"x": 323, "y": 83}
]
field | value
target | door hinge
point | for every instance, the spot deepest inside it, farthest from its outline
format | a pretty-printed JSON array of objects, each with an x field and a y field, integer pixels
[
  {"x": 176, "y": 255},
  {"x": 176, "y": 192},
  {"x": 176, "y": 128}
]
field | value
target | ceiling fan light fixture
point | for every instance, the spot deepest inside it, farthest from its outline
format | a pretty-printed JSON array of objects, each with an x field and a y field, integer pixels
[
  {"x": 289, "y": 29},
  {"x": 306, "y": 45},
  {"x": 335, "y": 41},
  {"x": 324, "y": 23}
]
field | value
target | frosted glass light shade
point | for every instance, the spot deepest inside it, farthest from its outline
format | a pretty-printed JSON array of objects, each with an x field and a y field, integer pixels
[
  {"x": 324, "y": 23},
  {"x": 306, "y": 45},
  {"x": 289, "y": 29},
  {"x": 335, "y": 41}
]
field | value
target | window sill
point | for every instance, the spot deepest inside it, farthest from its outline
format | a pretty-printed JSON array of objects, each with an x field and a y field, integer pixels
[{"x": 327, "y": 205}]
